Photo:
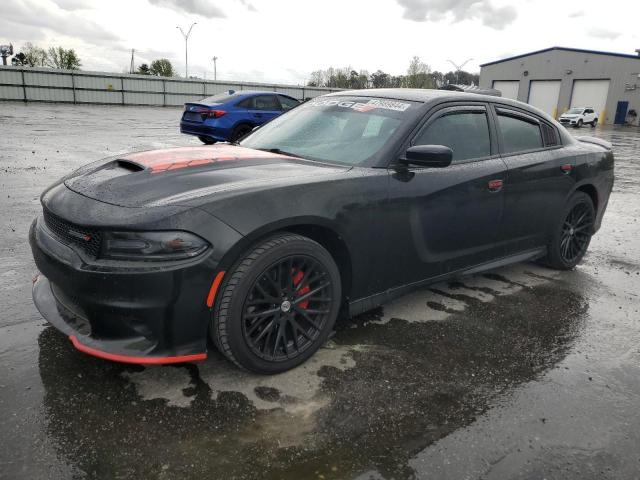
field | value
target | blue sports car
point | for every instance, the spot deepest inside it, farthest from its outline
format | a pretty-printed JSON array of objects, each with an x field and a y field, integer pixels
[{"x": 229, "y": 116}]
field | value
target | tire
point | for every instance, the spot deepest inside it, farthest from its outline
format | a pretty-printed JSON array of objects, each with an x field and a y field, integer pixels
[
  {"x": 571, "y": 236},
  {"x": 579, "y": 124},
  {"x": 240, "y": 131},
  {"x": 594, "y": 123},
  {"x": 207, "y": 140},
  {"x": 251, "y": 309}
]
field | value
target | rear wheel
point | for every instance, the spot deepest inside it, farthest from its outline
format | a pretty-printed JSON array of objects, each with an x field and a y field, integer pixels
[
  {"x": 573, "y": 235},
  {"x": 239, "y": 132},
  {"x": 594, "y": 123},
  {"x": 277, "y": 305},
  {"x": 207, "y": 140}
]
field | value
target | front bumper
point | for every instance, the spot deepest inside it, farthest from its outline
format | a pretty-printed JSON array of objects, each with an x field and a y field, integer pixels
[
  {"x": 147, "y": 316},
  {"x": 568, "y": 121}
]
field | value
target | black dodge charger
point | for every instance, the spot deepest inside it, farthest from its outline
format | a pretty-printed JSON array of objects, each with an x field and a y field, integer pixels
[{"x": 339, "y": 205}]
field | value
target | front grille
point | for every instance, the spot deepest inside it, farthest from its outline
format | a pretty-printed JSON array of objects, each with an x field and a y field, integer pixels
[{"x": 88, "y": 239}]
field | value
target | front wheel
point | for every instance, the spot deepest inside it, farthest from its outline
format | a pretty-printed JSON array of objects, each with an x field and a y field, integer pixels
[
  {"x": 277, "y": 305},
  {"x": 207, "y": 140},
  {"x": 573, "y": 234},
  {"x": 579, "y": 124}
]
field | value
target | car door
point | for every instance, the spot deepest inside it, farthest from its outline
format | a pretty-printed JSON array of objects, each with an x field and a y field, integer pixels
[
  {"x": 446, "y": 219},
  {"x": 539, "y": 177},
  {"x": 264, "y": 108}
]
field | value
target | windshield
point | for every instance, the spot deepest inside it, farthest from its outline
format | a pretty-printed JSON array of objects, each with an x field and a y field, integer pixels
[
  {"x": 347, "y": 130},
  {"x": 575, "y": 111}
]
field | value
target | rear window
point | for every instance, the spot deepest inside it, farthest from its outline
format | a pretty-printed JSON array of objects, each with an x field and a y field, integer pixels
[
  {"x": 219, "y": 98},
  {"x": 518, "y": 133}
]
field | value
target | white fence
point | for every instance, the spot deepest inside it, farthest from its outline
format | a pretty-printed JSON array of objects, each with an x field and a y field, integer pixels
[{"x": 73, "y": 86}]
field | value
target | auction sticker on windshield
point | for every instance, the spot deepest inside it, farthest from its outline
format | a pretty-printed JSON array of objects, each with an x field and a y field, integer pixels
[{"x": 361, "y": 106}]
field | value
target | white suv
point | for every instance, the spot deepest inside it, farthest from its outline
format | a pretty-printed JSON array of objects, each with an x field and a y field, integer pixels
[{"x": 576, "y": 117}]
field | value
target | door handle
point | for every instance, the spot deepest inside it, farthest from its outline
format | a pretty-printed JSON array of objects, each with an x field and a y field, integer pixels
[
  {"x": 566, "y": 168},
  {"x": 495, "y": 185}
]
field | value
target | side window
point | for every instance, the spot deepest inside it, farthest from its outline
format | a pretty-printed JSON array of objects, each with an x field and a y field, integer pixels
[
  {"x": 266, "y": 102},
  {"x": 519, "y": 134},
  {"x": 246, "y": 103},
  {"x": 287, "y": 102},
  {"x": 550, "y": 135},
  {"x": 465, "y": 133}
]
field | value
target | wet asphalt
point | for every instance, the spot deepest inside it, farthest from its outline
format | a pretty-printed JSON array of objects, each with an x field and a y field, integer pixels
[{"x": 519, "y": 373}]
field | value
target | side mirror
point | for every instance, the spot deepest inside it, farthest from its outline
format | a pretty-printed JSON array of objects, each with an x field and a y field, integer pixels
[{"x": 436, "y": 156}]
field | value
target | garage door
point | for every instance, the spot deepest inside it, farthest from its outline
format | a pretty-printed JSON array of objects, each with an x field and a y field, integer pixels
[
  {"x": 508, "y": 88},
  {"x": 544, "y": 95},
  {"x": 590, "y": 93}
]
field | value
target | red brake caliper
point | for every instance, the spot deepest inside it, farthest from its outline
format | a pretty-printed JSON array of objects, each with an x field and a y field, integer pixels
[{"x": 297, "y": 278}]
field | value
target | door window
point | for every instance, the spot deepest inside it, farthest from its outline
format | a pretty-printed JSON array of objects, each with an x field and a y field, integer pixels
[
  {"x": 266, "y": 102},
  {"x": 287, "y": 102},
  {"x": 465, "y": 133},
  {"x": 519, "y": 134}
]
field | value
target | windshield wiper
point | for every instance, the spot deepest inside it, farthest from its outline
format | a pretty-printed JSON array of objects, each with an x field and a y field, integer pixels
[{"x": 279, "y": 152}]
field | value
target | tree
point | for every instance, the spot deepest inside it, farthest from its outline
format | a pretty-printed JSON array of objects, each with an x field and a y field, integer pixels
[
  {"x": 379, "y": 79},
  {"x": 33, "y": 56},
  {"x": 59, "y": 57},
  {"x": 143, "y": 70},
  {"x": 162, "y": 68},
  {"x": 419, "y": 74}
]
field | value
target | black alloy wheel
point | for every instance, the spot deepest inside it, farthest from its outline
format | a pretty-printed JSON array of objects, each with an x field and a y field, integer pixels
[
  {"x": 287, "y": 308},
  {"x": 572, "y": 236},
  {"x": 277, "y": 305},
  {"x": 576, "y": 232}
]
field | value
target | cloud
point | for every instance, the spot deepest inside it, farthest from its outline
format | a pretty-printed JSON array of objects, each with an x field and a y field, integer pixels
[
  {"x": 458, "y": 10},
  {"x": 204, "y": 8},
  {"x": 603, "y": 33},
  {"x": 71, "y": 4},
  {"x": 248, "y": 5},
  {"x": 29, "y": 18}
]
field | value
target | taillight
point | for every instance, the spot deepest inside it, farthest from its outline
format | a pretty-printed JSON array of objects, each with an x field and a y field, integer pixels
[{"x": 216, "y": 113}]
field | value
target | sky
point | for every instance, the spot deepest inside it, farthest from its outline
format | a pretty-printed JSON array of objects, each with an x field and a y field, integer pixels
[{"x": 283, "y": 41}]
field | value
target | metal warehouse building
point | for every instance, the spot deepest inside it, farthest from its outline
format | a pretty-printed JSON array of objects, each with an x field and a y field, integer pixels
[{"x": 556, "y": 79}]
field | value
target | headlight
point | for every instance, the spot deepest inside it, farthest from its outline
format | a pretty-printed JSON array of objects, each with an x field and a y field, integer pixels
[{"x": 152, "y": 246}]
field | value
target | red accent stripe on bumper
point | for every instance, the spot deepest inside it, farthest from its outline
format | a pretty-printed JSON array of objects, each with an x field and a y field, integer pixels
[{"x": 137, "y": 360}]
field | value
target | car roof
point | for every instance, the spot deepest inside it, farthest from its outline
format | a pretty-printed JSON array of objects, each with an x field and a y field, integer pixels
[
  {"x": 257, "y": 92},
  {"x": 432, "y": 96}
]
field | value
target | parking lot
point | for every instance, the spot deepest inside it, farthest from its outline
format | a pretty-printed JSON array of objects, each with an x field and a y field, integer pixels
[{"x": 523, "y": 372}]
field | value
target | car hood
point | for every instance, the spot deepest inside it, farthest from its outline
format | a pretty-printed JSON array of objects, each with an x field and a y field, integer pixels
[
  {"x": 564, "y": 115},
  {"x": 183, "y": 175}
]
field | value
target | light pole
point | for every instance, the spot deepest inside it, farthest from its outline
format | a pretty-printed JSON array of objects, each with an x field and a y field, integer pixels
[
  {"x": 215, "y": 69},
  {"x": 186, "y": 42},
  {"x": 458, "y": 68}
]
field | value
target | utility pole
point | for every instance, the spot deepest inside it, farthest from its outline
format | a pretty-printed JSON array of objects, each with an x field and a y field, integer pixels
[
  {"x": 132, "y": 67},
  {"x": 186, "y": 43},
  {"x": 215, "y": 69},
  {"x": 459, "y": 68}
]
